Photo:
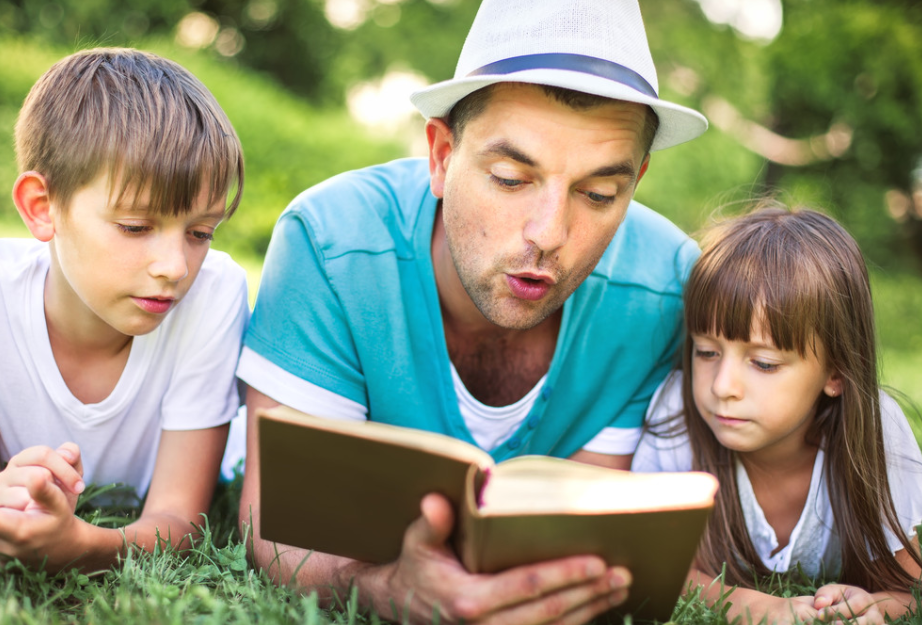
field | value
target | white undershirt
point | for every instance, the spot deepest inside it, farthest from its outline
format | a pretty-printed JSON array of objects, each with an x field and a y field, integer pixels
[{"x": 490, "y": 426}]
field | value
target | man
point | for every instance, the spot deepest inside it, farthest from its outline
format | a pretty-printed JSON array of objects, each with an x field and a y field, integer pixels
[{"x": 484, "y": 294}]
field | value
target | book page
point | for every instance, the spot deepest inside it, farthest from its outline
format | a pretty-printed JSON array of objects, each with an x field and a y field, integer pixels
[{"x": 539, "y": 485}]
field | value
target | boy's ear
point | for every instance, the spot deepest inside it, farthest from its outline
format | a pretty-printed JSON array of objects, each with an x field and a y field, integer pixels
[
  {"x": 833, "y": 386},
  {"x": 30, "y": 195}
]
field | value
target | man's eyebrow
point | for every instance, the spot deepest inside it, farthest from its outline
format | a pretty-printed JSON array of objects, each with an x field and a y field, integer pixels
[
  {"x": 507, "y": 150},
  {"x": 625, "y": 169}
]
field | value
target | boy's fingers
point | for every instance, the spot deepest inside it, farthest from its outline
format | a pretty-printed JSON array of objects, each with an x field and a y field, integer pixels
[
  {"x": 46, "y": 493},
  {"x": 15, "y": 497},
  {"x": 71, "y": 453},
  {"x": 50, "y": 460}
]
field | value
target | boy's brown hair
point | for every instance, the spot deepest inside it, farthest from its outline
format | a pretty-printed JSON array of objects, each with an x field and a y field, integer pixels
[{"x": 144, "y": 120}]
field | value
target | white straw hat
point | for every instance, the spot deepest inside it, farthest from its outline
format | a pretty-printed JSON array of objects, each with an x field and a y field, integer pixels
[{"x": 594, "y": 46}]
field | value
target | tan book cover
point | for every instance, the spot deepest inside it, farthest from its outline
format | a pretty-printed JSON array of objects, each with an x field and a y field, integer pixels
[{"x": 364, "y": 482}]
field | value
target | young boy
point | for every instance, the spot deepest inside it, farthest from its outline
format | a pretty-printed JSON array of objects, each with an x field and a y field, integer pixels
[{"x": 119, "y": 329}]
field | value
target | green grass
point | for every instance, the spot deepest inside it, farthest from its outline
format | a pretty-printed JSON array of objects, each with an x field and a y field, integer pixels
[{"x": 212, "y": 584}]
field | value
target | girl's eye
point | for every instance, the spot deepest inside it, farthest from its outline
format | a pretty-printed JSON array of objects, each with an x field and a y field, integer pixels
[
  {"x": 129, "y": 229},
  {"x": 767, "y": 367},
  {"x": 203, "y": 236},
  {"x": 507, "y": 183},
  {"x": 705, "y": 353}
]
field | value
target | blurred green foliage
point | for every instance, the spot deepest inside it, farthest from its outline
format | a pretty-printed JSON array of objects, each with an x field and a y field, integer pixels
[
  {"x": 851, "y": 66},
  {"x": 841, "y": 83},
  {"x": 288, "y": 144}
]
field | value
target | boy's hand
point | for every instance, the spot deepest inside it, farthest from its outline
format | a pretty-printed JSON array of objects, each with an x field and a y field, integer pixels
[
  {"x": 38, "y": 495},
  {"x": 840, "y": 603}
]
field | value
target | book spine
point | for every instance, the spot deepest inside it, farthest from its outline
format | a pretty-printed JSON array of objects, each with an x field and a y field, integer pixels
[{"x": 469, "y": 538}]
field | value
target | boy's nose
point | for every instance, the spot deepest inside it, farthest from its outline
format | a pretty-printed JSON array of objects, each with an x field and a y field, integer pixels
[{"x": 170, "y": 260}]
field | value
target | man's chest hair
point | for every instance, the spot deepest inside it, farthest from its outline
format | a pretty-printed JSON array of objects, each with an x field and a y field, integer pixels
[{"x": 499, "y": 371}]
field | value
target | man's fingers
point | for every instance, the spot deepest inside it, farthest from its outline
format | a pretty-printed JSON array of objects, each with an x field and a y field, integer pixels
[
  {"x": 49, "y": 459},
  {"x": 577, "y": 603},
  {"x": 537, "y": 587},
  {"x": 434, "y": 525}
]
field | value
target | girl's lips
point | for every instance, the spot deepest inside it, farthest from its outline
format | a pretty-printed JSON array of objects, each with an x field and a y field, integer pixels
[
  {"x": 526, "y": 287},
  {"x": 729, "y": 420},
  {"x": 153, "y": 305}
]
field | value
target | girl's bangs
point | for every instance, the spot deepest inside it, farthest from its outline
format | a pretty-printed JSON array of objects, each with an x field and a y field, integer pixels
[{"x": 754, "y": 278}]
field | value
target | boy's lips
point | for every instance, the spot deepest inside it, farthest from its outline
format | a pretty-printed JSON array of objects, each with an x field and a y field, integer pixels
[
  {"x": 154, "y": 305},
  {"x": 529, "y": 286}
]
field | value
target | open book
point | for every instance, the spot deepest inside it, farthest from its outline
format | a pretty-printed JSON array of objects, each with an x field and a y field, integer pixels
[{"x": 359, "y": 485}]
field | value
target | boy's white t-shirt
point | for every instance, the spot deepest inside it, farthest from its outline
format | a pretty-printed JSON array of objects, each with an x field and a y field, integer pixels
[
  {"x": 813, "y": 543},
  {"x": 178, "y": 377}
]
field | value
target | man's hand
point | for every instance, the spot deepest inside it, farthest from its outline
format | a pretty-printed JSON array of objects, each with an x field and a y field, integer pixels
[
  {"x": 428, "y": 577},
  {"x": 38, "y": 496}
]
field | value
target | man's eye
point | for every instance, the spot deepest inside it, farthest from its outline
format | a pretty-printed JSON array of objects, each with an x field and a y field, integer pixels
[
  {"x": 598, "y": 198},
  {"x": 509, "y": 183}
]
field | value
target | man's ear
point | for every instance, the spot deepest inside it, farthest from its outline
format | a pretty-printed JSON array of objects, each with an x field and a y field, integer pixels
[
  {"x": 441, "y": 145},
  {"x": 643, "y": 169},
  {"x": 31, "y": 197}
]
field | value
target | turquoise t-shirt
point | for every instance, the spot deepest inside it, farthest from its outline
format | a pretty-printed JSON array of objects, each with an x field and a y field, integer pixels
[{"x": 348, "y": 302}]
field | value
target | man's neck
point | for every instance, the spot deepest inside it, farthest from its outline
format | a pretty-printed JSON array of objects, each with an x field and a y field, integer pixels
[
  {"x": 497, "y": 365},
  {"x": 499, "y": 368}
]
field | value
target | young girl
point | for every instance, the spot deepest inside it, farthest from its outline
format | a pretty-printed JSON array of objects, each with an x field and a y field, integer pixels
[{"x": 778, "y": 397}]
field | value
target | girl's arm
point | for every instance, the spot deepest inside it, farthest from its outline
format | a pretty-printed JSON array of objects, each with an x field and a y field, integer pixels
[
  {"x": 835, "y": 599},
  {"x": 752, "y": 605},
  {"x": 46, "y": 532}
]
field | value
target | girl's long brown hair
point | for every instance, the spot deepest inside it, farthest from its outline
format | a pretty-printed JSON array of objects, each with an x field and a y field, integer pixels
[{"x": 806, "y": 278}]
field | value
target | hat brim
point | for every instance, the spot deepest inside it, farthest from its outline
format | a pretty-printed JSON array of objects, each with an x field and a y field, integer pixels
[{"x": 677, "y": 124}]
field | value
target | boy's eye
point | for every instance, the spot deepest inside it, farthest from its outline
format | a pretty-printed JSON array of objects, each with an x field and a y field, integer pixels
[
  {"x": 130, "y": 229},
  {"x": 202, "y": 235}
]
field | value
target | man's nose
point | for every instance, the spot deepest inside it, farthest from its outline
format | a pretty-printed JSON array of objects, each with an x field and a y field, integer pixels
[{"x": 548, "y": 225}]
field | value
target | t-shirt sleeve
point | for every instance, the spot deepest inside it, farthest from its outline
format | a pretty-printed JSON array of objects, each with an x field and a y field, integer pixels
[
  {"x": 904, "y": 469},
  {"x": 624, "y": 432},
  {"x": 202, "y": 391},
  {"x": 299, "y": 324},
  {"x": 292, "y": 391},
  {"x": 664, "y": 445}
]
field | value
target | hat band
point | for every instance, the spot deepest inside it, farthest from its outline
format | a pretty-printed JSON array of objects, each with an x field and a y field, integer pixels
[{"x": 570, "y": 62}]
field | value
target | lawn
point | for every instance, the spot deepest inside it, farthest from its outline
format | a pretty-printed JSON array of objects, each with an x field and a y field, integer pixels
[{"x": 211, "y": 584}]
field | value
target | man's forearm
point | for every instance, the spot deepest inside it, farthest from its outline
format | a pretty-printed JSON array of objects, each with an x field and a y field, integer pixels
[{"x": 331, "y": 577}]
